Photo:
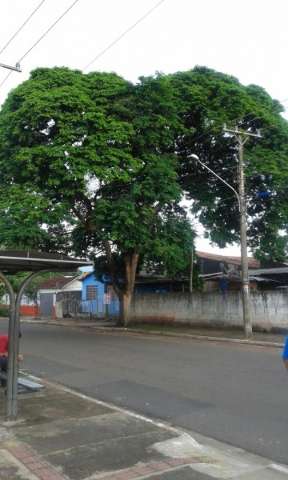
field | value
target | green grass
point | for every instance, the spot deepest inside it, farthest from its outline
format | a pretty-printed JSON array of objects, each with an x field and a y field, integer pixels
[{"x": 193, "y": 330}]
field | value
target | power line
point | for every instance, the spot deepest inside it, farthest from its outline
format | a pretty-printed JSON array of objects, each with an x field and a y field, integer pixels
[
  {"x": 5, "y": 78},
  {"x": 22, "y": 26},
  {"x": 48, "y": 30},
  {"x": 41, "y": 37},
  {"x": 123, "y": 34}
]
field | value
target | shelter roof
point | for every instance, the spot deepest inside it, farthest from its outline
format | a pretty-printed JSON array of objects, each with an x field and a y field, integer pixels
[{"x": 14, "y": 261}]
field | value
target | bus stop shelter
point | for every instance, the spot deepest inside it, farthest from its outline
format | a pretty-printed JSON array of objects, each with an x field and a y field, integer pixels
[{"x": 12, "y": 262}]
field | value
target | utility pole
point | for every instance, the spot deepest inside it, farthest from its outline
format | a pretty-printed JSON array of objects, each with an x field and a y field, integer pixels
[
  {"x": 9, "y": 67},
  {"x": 191, "y": 270},
  {"x": 242, "y": 137}
]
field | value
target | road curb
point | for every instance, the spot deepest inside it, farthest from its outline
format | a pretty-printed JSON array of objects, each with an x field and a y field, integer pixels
[
  {"x": 193, "y": 337},
  {"x": 133, "y": 331}
]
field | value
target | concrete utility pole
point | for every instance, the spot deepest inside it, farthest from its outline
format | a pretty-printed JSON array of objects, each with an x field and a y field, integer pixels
[
  {"x": 242, "y": 137},
  {"x": 9, "y": 67},
  {"x": 191, "y": 270}
]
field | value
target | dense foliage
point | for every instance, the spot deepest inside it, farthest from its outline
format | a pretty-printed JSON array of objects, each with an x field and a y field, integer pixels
[
  {"x": 92, "y": 169},
  {"x": 91, "y": 163},
  {"x": 206, "y": 100}
]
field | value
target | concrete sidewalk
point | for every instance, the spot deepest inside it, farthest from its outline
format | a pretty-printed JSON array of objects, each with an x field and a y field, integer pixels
[{"x": 61, "y": 434}]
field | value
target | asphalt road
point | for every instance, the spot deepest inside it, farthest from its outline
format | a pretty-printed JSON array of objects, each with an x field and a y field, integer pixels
[{"x": 233, "y": 393}]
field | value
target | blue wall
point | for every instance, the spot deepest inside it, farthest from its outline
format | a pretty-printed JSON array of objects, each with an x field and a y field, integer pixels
[{"x": 97, "y": 307}]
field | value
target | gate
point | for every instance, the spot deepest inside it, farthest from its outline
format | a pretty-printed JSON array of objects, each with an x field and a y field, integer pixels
[{"x": 46, "y": 304}]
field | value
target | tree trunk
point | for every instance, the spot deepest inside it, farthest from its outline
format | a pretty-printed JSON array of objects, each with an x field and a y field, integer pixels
[
  {"x": 125, "y": 303},
  {"x": 131, "y": 262},
  {"x": 124, "y": 293}
]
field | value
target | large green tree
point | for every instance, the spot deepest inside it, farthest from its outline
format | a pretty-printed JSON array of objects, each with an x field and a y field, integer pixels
[
  {"x": 88, "y": 165},
  {"x": 91, "y": 163},
  {"x": 206, "y": 100}
]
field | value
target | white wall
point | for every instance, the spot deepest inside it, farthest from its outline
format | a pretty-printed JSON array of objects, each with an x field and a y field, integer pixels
[
  {"x": 269, "y": 309},
  {"x": 24, "y": 300}
]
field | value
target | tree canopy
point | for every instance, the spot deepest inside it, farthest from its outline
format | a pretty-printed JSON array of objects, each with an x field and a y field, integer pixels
[
  {"x": 92, "y": 163},
  {"x": 205, "y": 101},
  {"x": 91, "y": 160}
]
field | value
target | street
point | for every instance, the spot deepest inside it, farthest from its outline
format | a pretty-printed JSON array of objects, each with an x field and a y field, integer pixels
[{"x": 233, "y": 393}]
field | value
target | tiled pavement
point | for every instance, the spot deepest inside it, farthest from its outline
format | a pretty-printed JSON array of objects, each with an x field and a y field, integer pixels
[{"x": 62, "y": 435}]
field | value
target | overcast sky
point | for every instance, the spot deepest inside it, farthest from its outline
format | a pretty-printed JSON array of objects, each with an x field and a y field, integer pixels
[{"x": 247, "y": 39}]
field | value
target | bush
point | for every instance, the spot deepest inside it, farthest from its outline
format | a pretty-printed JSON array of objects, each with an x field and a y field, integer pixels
[{"x": 4, "y": 311}]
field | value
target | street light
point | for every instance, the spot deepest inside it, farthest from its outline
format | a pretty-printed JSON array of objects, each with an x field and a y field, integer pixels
[
  {"x": 243, "y": 239},
  {"x": 195, "y": 157},
  {"x": 10, "y": 67}
]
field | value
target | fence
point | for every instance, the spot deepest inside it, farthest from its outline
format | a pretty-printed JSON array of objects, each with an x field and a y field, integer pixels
[
  {"x": 74, "y": 307},
  {"x": 269, "y": 309}
]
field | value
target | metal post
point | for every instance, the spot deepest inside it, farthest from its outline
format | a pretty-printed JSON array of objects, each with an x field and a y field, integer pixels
[
  {"x": 12, "y": 357},
  {"x": 13, "y": 346}
]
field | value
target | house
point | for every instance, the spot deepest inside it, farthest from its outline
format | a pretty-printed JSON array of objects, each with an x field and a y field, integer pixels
[
  {"x": 278, "y": 276},
  {"x": 47, "y": 294},
  {"x": 159, "y": 284},
  {"x": 224, "y": 273},
  {"x": 98, "y": 297},
  {"x": 216, "y": 271},
  {"x": 86, "y": 294},
  {"x": 68, "y": 298},
  {"x": 77, "y": 296},
  {"x": 215, "y": 263}
]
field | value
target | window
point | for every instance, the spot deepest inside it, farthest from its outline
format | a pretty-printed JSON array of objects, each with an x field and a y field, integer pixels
[{"x": 91, "y": 292}]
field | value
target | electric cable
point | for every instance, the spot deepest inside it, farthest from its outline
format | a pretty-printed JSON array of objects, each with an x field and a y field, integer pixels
[
  {"x": 48, "y": 30},
  {"x": 22, "y": 26},
  {"x": 123, "y": 34},
  {"x": 42, "y": 37}
]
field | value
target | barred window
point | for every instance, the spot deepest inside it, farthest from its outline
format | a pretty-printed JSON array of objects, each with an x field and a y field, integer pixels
[{"x": 91, "y": 292}]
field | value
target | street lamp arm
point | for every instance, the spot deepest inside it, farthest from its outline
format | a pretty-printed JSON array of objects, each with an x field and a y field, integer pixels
[
  {"x": 10, "y": 67},
  {"x": 217, "y": 176}
]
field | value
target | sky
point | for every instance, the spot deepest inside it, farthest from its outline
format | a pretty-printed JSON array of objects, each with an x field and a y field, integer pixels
[{"x": 247, "y": 39}]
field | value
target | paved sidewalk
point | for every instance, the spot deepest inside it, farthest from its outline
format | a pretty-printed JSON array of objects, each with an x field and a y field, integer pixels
[{"x": 63, "y": 435}]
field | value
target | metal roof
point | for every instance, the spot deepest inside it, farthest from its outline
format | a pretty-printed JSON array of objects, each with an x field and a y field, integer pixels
[
  {"x": 269, "y": 271},
  {"x": 14, "y": 261},
  {"x": 253, "y": 263}
]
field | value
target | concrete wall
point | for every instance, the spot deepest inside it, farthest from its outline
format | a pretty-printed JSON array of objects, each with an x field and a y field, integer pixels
[{"x": 269, "y": 309}]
